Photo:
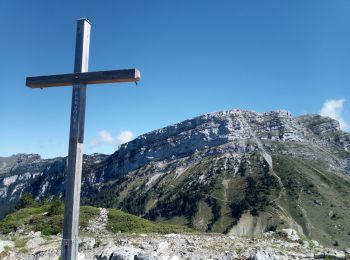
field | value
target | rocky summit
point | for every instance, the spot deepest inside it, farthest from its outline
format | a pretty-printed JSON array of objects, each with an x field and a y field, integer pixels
[{"x": 236, "y": 172}]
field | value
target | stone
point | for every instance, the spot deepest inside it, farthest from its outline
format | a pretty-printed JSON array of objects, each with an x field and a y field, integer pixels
[
  {"x": 190, "y": 242},
  {"x": 331, "y": 252},
  {"x": 107, "y": 251},
  {"x": 81, "y": 256},
  {"x": 306, "y": 244},
  {"x": 87, "y": 243},
  {"x": 310, "y": 255},
  {"x": 315, "y": 243},
  {"x": 126, "y": 253},
  {"x": 146, "y": 256},
  {"x": 162, "y": 246},
  {"x": 291, "y": 234},
  {"x": 268, "y": 234},
  {"x": 48, "y": 255},
  {"x": 98, "y": 225},
  {"x": 331, "y": 214},
  {"x": 35, "y": 242},
  {"x": 269, "y": 254},
  {"x": 231, "y": 255},
  {"x": 318, "y": 202},
  {"x": 319, "y": 255},
  {"x": 172, "y": 235}
]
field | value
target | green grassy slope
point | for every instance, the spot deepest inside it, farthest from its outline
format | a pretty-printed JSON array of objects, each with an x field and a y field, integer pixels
[
  {"x": 316, "y": 198},
  {"x": 48, "y": 218},
  {"x": 205, "y": 196}
]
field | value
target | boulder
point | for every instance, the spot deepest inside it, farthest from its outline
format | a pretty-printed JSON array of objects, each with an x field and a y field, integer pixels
[
  {"x": 269, "y": 254},
  {"x": 35, "y": 242},
  {"x": 291, "y": 234},
  {"x": 337, "y": 254}
]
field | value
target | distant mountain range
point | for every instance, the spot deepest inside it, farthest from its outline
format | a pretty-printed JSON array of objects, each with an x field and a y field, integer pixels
[{"x": 238, "y": 172}]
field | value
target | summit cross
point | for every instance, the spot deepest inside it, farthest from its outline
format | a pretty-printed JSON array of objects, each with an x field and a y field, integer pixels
[{"x": 79, "y": 80}]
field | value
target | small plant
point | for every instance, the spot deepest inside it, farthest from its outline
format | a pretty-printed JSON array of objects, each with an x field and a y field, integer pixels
[
  {"x": 7, "y": 249},
  {"x": 328, "y": 257},
  {"x": 97, "y": 242},
  {"x": 56, "y": 207},
  {"x": 21, "y": 242},
  {"x": 26, "y": 201},
  {"x": 126, "y": 223},
  {"x": 24, "y": 250}
]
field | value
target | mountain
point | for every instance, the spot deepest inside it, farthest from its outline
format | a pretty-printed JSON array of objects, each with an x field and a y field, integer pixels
[
  {"x": 29, "y": 173},
  {"x": 237, "y": 172}
]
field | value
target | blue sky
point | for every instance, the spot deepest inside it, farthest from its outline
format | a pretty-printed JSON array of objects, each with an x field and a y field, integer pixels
[{"x": 195, "y": 57}]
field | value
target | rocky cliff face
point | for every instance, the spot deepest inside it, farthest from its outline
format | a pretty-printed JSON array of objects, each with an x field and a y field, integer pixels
[
  {"x": 29, "y": 173},
  {"x": 235, "y": 171},
  {"x": 234, "y": 131}
]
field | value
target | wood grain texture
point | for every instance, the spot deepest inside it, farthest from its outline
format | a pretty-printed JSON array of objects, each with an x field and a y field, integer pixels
[
  {"x": 96, "y": 77},
  {"x": 70, "y": 241}
]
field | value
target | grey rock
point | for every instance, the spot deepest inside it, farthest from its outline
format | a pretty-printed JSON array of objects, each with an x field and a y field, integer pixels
[
  {"x": 315, "y": 243},
  {"x": 269, "y": 254},
  {"x": 230, "y": 256},
  {"x": 319, "y": 255},
  {"x": 126, "y": 253},
  {"x": 162, "y": 246},
  {"x": 318, "y": 202},
  {"x": 331, "y": 214},
  {"x": 145, "y": 256},
  {"x": 35, "y": 242},
  {"x": 337, "y": 254},
  {"x": 291, "y": 234},
  {"x": 87, "y": 243}
]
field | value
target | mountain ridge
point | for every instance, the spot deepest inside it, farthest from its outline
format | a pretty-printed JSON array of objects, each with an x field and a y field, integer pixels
[{"x": 235, "y": 171}]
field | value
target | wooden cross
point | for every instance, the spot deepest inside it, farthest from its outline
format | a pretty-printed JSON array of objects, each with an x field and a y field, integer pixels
[{"x": 79, "y": 79}]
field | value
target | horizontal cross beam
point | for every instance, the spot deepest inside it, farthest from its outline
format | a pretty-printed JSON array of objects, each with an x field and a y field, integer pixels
[{"x": 97, "y": 77}]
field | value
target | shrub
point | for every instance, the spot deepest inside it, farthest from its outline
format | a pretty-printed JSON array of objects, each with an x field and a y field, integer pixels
[
  {"x": 56, "y": 207},
  {"x": 26, "y": 201}
]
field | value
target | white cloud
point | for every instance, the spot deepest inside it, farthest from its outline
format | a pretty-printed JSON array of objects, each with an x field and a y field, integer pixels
[
  {"x": 334, "y": 108},
  {"x": 105, "y": 137},
  {"x": 124, "y": 137}
]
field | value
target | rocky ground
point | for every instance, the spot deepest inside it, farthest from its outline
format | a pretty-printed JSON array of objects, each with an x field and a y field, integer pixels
[
  {"x": 170, "y": 246},
  {"x": 97, "y": 243}
]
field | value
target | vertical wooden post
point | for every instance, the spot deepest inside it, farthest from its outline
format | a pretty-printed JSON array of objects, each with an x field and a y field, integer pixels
[{"x": 70, "y": 242}]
